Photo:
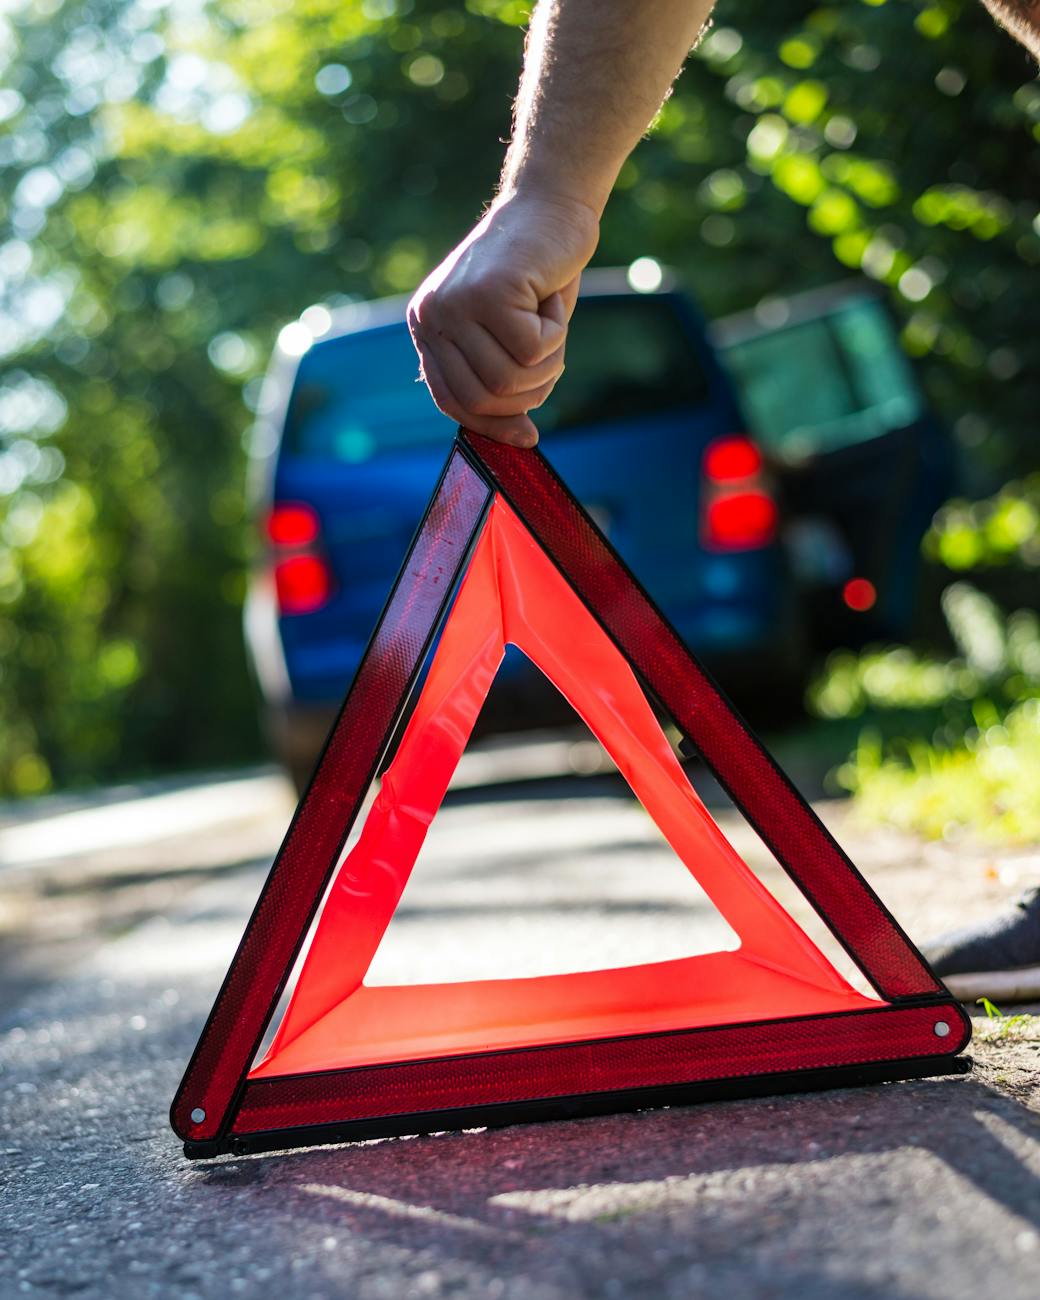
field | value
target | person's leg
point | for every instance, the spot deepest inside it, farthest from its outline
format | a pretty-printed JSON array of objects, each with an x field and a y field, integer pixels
[{"x": 997, "y": 958}]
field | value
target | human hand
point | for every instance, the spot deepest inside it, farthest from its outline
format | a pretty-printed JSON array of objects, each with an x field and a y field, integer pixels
[{"x": 490, "y": 323}]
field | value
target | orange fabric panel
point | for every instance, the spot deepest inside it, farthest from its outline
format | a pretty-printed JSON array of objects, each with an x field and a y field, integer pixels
[
  {"x": 399, "y": 1023},
  {"x": 512, "y": 593}
]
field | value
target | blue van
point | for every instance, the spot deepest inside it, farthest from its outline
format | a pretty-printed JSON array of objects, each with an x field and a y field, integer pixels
[
  {"x": 860, "y": 460},
  {"x": 644, "y": 427}
]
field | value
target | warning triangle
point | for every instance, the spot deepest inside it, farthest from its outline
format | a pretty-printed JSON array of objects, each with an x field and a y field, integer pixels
[{"x": 506, "y": 546}]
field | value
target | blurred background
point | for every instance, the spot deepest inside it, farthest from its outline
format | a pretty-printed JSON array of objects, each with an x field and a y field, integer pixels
[{"x": 836, "y": 212}]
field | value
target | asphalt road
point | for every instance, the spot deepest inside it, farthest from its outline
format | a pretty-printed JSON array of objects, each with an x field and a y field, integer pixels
[{"x": 118, "y": 916}]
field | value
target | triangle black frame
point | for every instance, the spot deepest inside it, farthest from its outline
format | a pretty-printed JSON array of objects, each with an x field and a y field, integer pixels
[{"x": 917, "y": 1031}]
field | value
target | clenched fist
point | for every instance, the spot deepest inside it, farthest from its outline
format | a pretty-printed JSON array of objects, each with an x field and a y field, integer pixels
[{"x": 490, "y": 323}]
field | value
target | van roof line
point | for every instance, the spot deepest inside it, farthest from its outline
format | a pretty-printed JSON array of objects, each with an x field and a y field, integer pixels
[{"x": 598, "y": 282}]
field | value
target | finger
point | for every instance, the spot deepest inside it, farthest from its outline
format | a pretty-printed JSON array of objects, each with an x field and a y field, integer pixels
[
  {"x": 472, "y": 394},
  {"x": 528, "y": 336},
  {"x": 495, "y": 367},
  {"x": 501, "y": 431},
  {"x": 569, "y": 294},
  {"x": 552, "y": 318},
  {"x": 517, "y": 430}
]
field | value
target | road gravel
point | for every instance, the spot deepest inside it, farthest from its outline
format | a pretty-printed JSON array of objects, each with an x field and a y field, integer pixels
[{"x": 923, "y": 1189}]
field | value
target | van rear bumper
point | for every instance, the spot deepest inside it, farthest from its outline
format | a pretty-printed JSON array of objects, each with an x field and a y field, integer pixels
[
  {"x": 766, "y": 682},
  {"x": 296, "y": 734},
  {"x": 296, "y": 731}
]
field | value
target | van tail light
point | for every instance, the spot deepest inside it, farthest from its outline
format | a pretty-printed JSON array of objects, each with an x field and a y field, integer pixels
[
  {"x": 303, "y": 580},
  {"x": 741, "y": 520},
  {"x": 738, "y": 510},
  {"x": 291, "y": 523},
  {"x": 302, "y": 583},
  {"x": 859, "y": 594},
  {"x": 730, "y": 460}
]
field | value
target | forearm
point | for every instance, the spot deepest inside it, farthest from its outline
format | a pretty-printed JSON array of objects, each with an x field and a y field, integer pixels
[
  {"x": 1021, "y": 18},
  {"x": 490, "y": 323},
  {"x": 595, "y": 74}
]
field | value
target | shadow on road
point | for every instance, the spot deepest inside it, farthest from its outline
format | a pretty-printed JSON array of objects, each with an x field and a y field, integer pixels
[{"x": 749, "y": 1194}]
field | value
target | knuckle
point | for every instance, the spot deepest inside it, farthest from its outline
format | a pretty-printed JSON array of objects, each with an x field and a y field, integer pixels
[
  {"x": 541, "y": 349},
  {"x": 422, "y": 311},
  {"x": 466, "y": 392},
  {"x": 463, "y": 297},
  {"x": 527, "y": 352},
  {"x": 483, "y": 404},
  {"x": 414, "y": 312},
  {"x": 446, "y": 407},
  {"x": 442, "y": 400},
  {"x": 537, "y": 396},
  {"x": 487, "y": 285},
  {"x": 501, "y": 385}
]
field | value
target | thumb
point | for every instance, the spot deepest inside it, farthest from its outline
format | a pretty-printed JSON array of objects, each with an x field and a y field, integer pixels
[
  {"x": 552, "y": 316},
  {"x": 569, "y": 296}
]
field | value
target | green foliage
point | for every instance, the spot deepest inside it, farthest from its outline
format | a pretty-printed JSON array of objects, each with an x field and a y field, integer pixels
[
  {"x": 980, "y": 767},
  {"x": 901, "y": 130},
  {"x": 181, "y": 187},
  {"x": 1003, "y": 529},
  {"x": 1002, "y": 1025},
  {"x": 987, "y": 784},
  {"x": 998, "y": 656},
  {"x": 179, "y": 181}
]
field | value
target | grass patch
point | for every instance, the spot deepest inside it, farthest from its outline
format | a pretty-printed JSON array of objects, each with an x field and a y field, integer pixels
[
  {"x": 1003, "y": 1026},
  {"x": 988, "y": 784},
  {"x": 973, "y": 761}
]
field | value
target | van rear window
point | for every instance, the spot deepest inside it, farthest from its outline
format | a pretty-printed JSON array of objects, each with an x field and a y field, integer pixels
[
  {"x": 627, "y": 357},
  {"x": 356, "y": 397},
  {"x": 825, "y": 383}
]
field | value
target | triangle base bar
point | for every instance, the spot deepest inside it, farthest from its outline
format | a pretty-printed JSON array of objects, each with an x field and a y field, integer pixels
[
  {"x": 245, "y": 1140},
  {"x": 598, "y": 1077},
  {"x": 581, "y": 1107}
]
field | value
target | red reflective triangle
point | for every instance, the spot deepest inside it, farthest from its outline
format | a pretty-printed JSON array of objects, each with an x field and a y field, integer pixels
[{"x": 352, "y": 1060}]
